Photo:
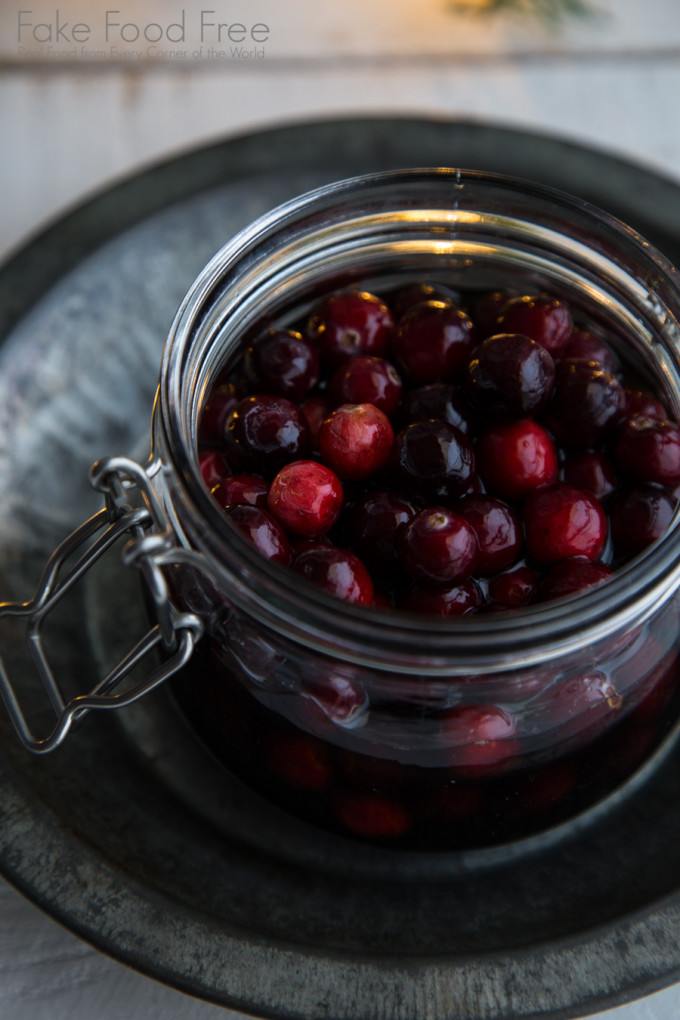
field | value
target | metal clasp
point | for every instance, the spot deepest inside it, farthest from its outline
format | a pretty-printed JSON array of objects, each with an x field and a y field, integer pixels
[{"x": 131, "y": 508}]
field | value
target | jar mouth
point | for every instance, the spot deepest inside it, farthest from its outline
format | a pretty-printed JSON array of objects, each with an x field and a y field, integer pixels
[{"x": 371, "y": 227}]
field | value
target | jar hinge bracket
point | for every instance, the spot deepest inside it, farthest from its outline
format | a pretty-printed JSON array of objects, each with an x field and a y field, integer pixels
[{"x": 131, "y": 508}]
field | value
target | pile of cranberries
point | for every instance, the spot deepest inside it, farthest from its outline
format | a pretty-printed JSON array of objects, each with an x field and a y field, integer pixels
[{"x": 441, "y": 455}]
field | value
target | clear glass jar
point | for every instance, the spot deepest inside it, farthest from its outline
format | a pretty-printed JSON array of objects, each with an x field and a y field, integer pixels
[{"x": 343, "y": 714}]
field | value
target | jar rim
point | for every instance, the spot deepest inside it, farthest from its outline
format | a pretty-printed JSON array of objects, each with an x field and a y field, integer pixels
[{"x": 289, "y": 604}]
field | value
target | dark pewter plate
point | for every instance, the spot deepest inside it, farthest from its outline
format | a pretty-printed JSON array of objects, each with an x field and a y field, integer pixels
[{"x": 130, "y": 834}]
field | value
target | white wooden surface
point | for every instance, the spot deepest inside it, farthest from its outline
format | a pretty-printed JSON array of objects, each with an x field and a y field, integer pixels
[{"x": 71, "y": 123}]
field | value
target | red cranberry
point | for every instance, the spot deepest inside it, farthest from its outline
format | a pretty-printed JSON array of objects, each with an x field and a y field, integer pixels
[
  {"x": 479, "y": 736},
  {"x": 586, "y": 346},
  {"x": 562, "y": 521},
  {"x": 546, "y": 320},
  {"x": 351, "y": 323},
  {"x": 414, "y": 294},
  {"x": 592, "y": 471},
  {"x": 221, "y": 402},
  {"x": 437, "y": 547},
  {"x": 300, "y": 761},
  {"x": 367, "y": 380},
  {"x": 250, "y": 489},
  {"x": 284, "y": 363},
  {"x": 306, "y": 497},
  {"x": 648, "y": 450},
  {"x": 498, "y": 531},
  {"x": 433, "y": 342},
  {"x": 571, "y": 575},
  {"x": 434, "y": 456},
  {"x": 355, "y": 440},
  {"x": 643, "y": 403},
  {"x": 516, "y": 458},
  {"x": 514, "y": 587},
  {"x": 372, "y": 524},
  {"x": 638, "y": 517},
  {"x": 587, "y": 697},
  {"x": 266, "y": 430},
  {"x": 263, "y": 530},
  {"x": 586, "y": 404},
  {"x": 338, "y": 572},
  {"x": 214, "y": 467},
  {"x": 438, "y": 400},
  {"x": 315, "y": 409},
  {"x": 454, "y": 601},
  {"x": 510, "y": 376},
  {"x": 373, "y": 815},
  {"x": 486, "y": 309}
]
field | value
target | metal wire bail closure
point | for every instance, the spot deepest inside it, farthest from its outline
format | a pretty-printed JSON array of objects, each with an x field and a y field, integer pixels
[{"x": 131, "y": 508}]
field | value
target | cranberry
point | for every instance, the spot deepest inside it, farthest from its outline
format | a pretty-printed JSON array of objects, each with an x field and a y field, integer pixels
[
  {"x": 586, "y": 346},
  {"x": 586, "y": 404},
  {"x": 498, "y": 531},
  {"x": 414, "y": 294},
  {"x": 515, "y": 458},
  {"x": 373, "y": 815},
  {"x": 514, "y": 587},
  {"x": 562, "y": 521},
  {"x": 643, "y": 403},
  {"x": 434, "y": 456},
  {"x": 300, "y": 761},
  {"x": 367, "y": 380},
  {"x": 546, "y": 320},
  {"x": 214, "y": 467},
  {"x": 479, "y": 736},
  {"x": 221, "y": 402},
  {"x": 648, "y": 450},
  {"x": 639, "y": 516},
  {"x": 372, "y": 524},
  {"x": 337, "y": 571},
  {"x": 437, "y": 547},
  {"x": 306, "y": 497},
  {"x": 351, "y": 323},
  {"x": 584, "y": 696},
  {"x": 355, "y": 440},
  {"x": 571, "y": 575},
  {"x": 592, "y": 471},
  {"x": 433, "y": 342},
  {"x": 263, "y": 530},
  {"x": 266, "y": 430},
  {"x": 284, "y": 363},
  {"x": 510, "y": 375},
  {"x": 546, "y": 787},
  {"x": 454, "y": 601},
  {"x": 315, "y": 409},
  {"x": 250, "y": 489},
  {"x": 485, "y": 311},
  {"x": 339, "y": 697},
  {"x": 438, "y": 400}
]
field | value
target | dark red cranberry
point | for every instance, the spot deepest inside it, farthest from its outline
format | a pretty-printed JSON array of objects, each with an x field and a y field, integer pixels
[
  {"x": 546, "y": 787},
  {"x": 515, "y": 458},
  {"x": 592, "y": 471},
  {"x": 351, "y": 323},
  {"x": 510, "y": 376},
  {"x": 514, "y": 587},
  {"x": 485, "y": 311},
  {"x": 433, "y": 342},
  {"x": 571, "y": 575},
  {"x": 306, "y": 497},
  {"x": 373, "y": 815},
  {"x": 562, "y": 521},
  {"x": 250, "y": 489},
  {"x": 586, "y": 346},
  {"x": 586, "y": 405},
  {"x": 406, "y": 298},
  {"x": 214, "y": 467},
  {"x": 498, "y": 531},
  {"x": 434, "y": 457},
  {"x": 585, "y": 696},
  {"x": 355, "y": 440},
  {"x": 638, "y": 517},
  {"x": 437, "y": 547},
  {"x": 479, "y": 737},
  {"x": 263, "y": 530},
  {"x": 284, "y": 363},
  {"x": 546, "y": 320},
  {"x": 221, "y": 402},
  {"x": 643, "y": 403},
  {"x": 454, "y": 601},
  {"x": 371, "y": 525},
  {"x": 337, "y": 571},
  {"x": 301, "y": 761},
  {"x": 339, "y": 697},
  {"x": 648, "y": 450},
  {"x": 267, "y": 430},
  {"x": 367, "y": 380},
  {"x": 438, "y": 400},
  {"x": 315, "y": 409}
]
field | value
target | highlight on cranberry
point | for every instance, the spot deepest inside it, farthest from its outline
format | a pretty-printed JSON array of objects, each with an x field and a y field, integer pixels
[{"x": 444, "y": 454}]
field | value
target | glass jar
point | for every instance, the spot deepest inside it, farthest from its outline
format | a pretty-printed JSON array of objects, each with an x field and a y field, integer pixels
[{"x": 351, "y": 717}]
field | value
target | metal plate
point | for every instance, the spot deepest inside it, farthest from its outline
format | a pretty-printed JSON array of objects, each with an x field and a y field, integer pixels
[{"x": 131, "y": 835}]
